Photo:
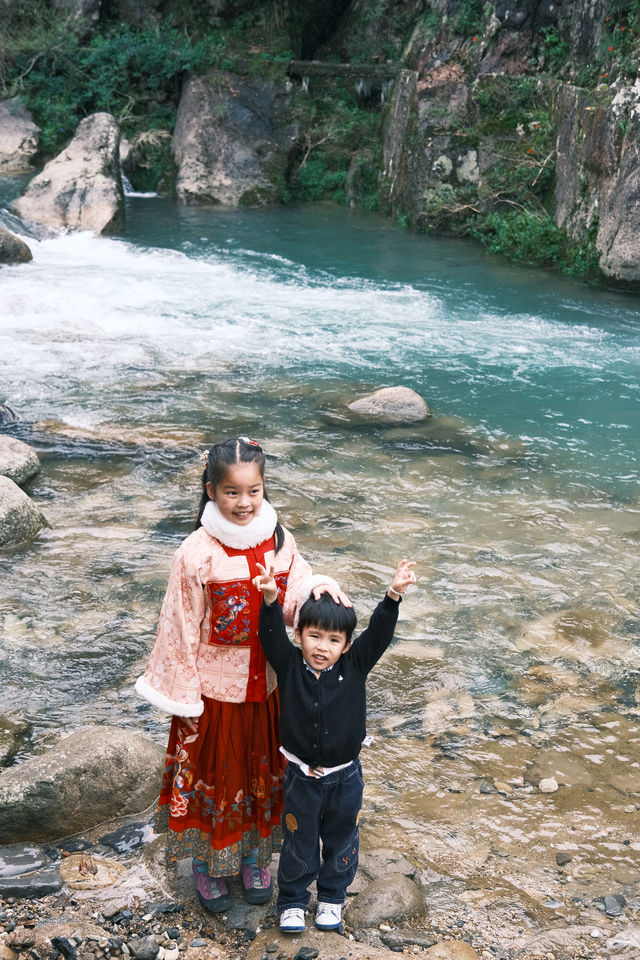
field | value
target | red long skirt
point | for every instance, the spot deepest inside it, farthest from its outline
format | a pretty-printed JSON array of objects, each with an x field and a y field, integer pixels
[{"x": 221, "y": 796}]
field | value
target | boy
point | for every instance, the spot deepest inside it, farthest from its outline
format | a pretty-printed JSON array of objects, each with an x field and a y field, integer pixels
[{"x": 322, "y": 726}]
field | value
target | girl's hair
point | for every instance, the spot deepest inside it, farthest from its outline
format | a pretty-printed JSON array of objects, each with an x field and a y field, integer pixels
[{"x": 226, "y": 454}]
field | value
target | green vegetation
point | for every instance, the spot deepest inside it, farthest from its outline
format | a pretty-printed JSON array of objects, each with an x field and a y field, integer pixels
[{"x": 342, "y": 151}]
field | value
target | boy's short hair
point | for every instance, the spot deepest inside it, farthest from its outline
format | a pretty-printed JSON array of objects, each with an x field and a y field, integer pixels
[{"x": 328, "y": 615}]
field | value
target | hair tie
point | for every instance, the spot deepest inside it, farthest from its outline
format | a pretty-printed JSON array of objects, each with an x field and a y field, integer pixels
[{"x": 253, "y": 443}]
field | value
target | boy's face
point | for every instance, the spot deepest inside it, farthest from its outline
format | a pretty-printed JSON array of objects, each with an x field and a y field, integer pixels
[{"x": 321, "y": 648}]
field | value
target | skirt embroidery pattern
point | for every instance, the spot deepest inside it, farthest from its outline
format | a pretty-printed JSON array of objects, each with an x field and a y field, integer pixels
[{"x": 221, "y": 794}]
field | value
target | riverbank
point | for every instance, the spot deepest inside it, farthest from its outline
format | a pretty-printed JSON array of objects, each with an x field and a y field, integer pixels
[{"x": 109, "y": 893}]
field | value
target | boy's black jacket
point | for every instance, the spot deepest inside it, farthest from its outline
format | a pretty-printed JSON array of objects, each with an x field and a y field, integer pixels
[{"x": 323, "y": 719}]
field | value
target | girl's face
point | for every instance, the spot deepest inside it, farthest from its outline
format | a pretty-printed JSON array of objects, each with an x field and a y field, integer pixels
[{"x": 239, "y": 494}]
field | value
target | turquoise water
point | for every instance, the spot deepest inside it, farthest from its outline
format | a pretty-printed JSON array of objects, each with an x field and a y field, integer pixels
[{"x": 125, "y": 357}]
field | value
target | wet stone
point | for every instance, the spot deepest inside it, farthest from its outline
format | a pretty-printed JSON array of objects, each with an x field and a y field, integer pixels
[
  {"x": 198, "y": 942},
  {"x": 306, "y": 953},
  {"x": 63, "y": 946},
  {"x": 72, "y": 845},
  {"x": 563, "y": 858},
  {"x": 21, "y": 858},
  {"x": 39, "y": 884},
  {"x": 128, "y": 838},
  {"x": 613, "y": 905},
  {"x": 145, "y": 949}
]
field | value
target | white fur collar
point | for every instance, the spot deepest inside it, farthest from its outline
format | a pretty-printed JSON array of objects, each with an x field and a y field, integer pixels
[{"x": 233, "y": 534}]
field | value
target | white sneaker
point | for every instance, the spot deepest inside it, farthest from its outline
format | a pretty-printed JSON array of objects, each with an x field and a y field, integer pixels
[
  {"x": 328, "y": 916},
  {"x": 292, "y": 920}
]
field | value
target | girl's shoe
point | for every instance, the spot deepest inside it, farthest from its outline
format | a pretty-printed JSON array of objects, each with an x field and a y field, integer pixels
[
  {"x": 212, "y": 891},
  {"x": 328, "y": 916},
  {"x": 257, "y": 883},
  {"x": 292, "y": 920}
]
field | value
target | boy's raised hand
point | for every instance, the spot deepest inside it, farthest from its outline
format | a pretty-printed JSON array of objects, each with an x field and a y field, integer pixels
[
  {"x": 403, "y": 576},
  {"x": 265, "y": 582}
]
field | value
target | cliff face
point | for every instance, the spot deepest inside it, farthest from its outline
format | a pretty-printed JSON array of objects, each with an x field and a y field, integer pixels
[{"x": 524, "y": 124}]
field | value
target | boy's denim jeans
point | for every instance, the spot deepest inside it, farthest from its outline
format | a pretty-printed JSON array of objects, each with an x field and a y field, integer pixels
[{"x": 319, "y": 810}]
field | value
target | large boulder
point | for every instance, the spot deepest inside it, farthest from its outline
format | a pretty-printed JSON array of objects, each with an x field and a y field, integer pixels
[
  {"x": 19, "y": 137},
  {"x": 396, "y": 404},
  {"x": 20, "y": 519},
  {"x": 232, "y": 140},
  {"x": 88, "y": 777},
  {"x": 18, "y": 460},
  {"x": 81, "y": 188},
  {"x": 12, "y": 248}
]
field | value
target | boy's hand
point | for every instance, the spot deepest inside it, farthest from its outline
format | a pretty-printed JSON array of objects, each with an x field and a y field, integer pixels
[
  {"x": 403, "y": 576},
  {"x": 266, "y": 584}
]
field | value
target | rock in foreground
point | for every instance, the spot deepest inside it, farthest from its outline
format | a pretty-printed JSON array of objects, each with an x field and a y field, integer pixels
[{"x": 85, "y": 779}]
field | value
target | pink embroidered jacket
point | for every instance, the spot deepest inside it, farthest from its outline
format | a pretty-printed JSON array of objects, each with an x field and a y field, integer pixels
[{"x": 207, "y": 639}]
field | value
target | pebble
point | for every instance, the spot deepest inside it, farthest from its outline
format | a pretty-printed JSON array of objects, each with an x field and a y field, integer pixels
[{"x": 548, "y": 785}]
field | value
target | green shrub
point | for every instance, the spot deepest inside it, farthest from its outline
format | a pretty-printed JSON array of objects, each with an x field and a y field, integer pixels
[{"x": 522, "y": 236}]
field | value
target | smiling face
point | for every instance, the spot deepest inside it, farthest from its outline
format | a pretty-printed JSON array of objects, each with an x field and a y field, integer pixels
[
  {"x": 239, "y": 494},
  {"x": 321, "y": 648}
]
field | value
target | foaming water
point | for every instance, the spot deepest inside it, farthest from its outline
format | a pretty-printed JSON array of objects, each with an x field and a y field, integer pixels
[{"x": 518, "y": 499}]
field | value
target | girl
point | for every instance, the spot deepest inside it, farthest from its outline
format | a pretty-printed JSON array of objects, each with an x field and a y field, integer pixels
[{"x": 221, "y": 795}]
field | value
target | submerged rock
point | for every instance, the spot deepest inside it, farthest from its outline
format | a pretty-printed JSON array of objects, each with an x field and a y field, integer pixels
[
  {"x": 399, "y": 404},
  {"x": 18, "y": 460},
  {"x": 13, "y": 249},
  {"x": 81, "y": 188},
  {"x": 20, "y": 519},
  {"x": 83, "y": 780}
]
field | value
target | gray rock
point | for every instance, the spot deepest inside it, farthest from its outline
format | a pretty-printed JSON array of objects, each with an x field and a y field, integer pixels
[
  {"x": 232, "y": 140},
  {"x": 7, "y": 415},
  {"x": 86, "y": 778},
  {"x": 144, "y": 949},
  {"x": 13, "y": 249},
  {"x": 39, "y": 884},
  {"x": 20, "y": 858},
  {"x": 390, "y": 898},
  {"x": 18, "y": 460},
  {"x": 20, "y": 519},
  {"x": 13, "y": 735},
  {"x": 19, "y": 138},
  {"x": 398, "y": 404},
  {"x": 81, "y": 188}
]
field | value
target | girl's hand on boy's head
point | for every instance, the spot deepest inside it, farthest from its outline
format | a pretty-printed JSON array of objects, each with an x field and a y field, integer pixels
[
  {"x": 265, "y": 582},
  {"x": 334, "y": 592},
  {"x": 403, "y": 577}
]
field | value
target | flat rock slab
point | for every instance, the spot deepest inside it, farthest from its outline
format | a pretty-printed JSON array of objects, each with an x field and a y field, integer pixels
[
  {"x": 42, "y": 883},
  {"x": 20, "y": 858},
  {"x": 128, "y": 838}
]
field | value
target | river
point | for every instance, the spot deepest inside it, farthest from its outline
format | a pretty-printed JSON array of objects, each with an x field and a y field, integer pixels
[{"x": 517, "y": 654}]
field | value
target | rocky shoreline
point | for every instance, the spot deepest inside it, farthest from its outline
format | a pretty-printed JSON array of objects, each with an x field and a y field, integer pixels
[{"x": 109, "y": 892}]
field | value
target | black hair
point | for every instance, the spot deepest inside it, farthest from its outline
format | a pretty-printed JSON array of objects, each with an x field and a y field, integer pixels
[
  {"x": 226, "y": 454},
  {"x": 326, "y": 614}
]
